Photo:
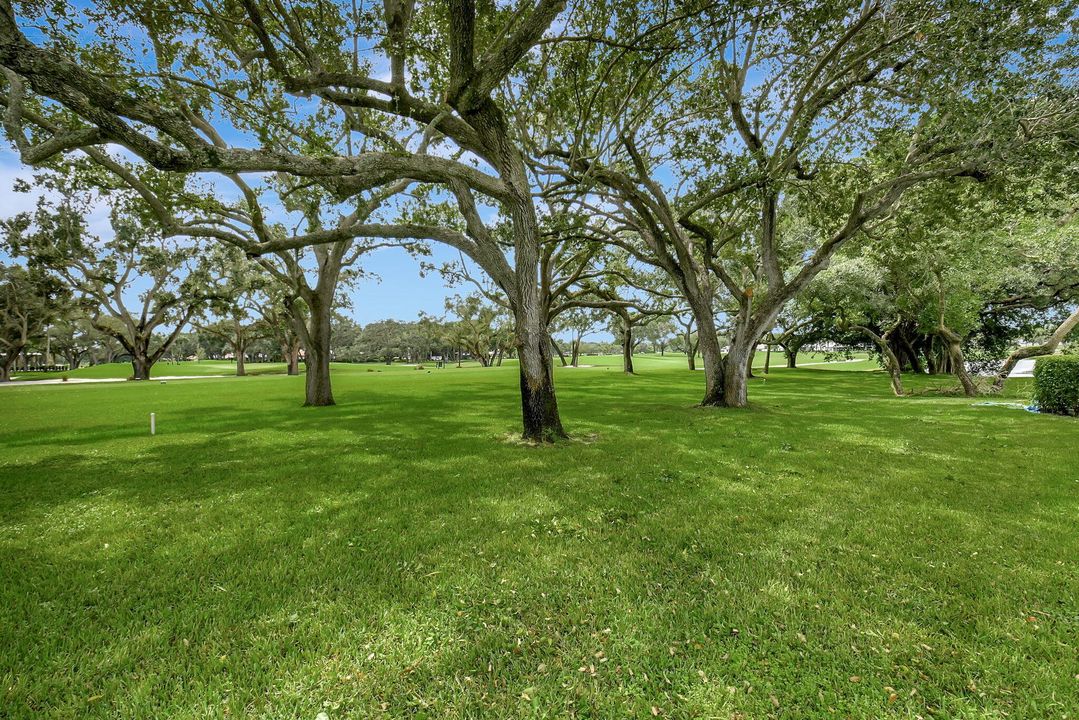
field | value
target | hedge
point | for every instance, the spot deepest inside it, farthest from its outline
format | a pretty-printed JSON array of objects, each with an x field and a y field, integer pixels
[{"x": 1056, "y": 384}]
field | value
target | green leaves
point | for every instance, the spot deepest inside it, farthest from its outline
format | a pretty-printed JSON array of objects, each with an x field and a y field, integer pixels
[{"x": 1056, "y": 384}]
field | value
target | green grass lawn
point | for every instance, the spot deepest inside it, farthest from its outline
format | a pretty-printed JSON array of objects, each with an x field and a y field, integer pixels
[{"x": 832, "y": 551}]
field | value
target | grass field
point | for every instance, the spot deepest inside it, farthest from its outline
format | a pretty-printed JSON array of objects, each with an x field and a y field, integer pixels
[{"x": 830, "y": 552}]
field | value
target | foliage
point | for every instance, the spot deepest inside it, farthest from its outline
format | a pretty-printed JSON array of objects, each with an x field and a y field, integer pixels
[
  {"x": 129, "y": 285},
  {"x": 30, "y": 299},
  {"x": 1056, "y": 384}
]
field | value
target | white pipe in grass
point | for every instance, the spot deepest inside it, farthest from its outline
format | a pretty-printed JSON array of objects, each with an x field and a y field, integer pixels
[{"x": 153, "y": 424}]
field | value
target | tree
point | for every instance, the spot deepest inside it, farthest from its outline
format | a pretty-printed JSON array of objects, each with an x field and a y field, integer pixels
[
  {"x": 959, "y": 262},
  {"x": 75, "y": 97},
  {"x": 72, "y": 337},
  {"x": 633, "y": 295},
  {"x": 841, "y": 108},
  {"x": 578, "y": 322},
  {"x": 281, "y": 315},
  {"x": 480, "y": 329},
  {"x": 30, "y": 299},
  {"x": 130, "y": 286},
  {"x": 346, "y": 338},
  {"x": 802, "y": 322},
  {"x": 658, "y": 333},
  {"x": 236, "y": 307},
  {"x": 854, "y": 294},
  {"x": 381, "y": 340}
]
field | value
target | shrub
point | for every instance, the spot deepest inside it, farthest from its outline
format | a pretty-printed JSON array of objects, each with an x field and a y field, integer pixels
[{"x": 1056, "y": 384}]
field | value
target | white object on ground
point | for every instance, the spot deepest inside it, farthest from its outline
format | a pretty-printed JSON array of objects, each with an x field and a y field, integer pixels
[
  {"x": 153, "y": 424},
  {"x": 1023, "y": 368}
]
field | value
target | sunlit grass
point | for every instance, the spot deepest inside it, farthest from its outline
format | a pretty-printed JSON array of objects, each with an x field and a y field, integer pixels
[{"x": 832, "y": 551}]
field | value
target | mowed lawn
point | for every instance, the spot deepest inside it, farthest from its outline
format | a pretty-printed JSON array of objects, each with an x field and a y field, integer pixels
[{"x": 830, "y": 552}]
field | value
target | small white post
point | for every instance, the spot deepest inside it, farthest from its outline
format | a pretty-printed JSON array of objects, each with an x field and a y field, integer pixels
[{"x": 153, "y": 423}]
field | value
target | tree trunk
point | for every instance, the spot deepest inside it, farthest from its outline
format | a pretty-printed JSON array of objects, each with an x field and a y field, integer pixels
[
  {"x": 712, "y": 359},
  {"x": 912, "y": 355},
  {"x": 291, "y": 353},
  {"x": 575, "y": 351},
  {"x": 141, "y": 365},
  {"x": 792, "y": 356},
  {"x": 736, "y": 375},
  {"x": 954, "y": 345},
  {"x": 691, "y": 351},
  {"x": 1046, "y": 348},
  {"x": 241, "y": 368},
  {"x": 317, "y": 358},
  {"x": 768, "y": 359},
  {"x": 891, "y": 362},
  {"x": 749, "y": 360},
  {"x": 539, "y": 407},
  {"x": 932, "y": 359},
  {"x": 627, "y": 349},
  {"x": 7, "y": 362},
  {"x": 561, "y": 355}
]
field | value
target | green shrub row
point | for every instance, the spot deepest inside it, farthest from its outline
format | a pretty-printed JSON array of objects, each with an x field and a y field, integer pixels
[{"x": 1056, "y": 384}]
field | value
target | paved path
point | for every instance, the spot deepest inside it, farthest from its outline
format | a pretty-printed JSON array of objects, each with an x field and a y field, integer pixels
[{"x": 80, "y": 381}]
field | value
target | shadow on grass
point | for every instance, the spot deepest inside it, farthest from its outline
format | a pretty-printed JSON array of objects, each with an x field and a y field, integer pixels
[{"x": 391, "y": 550}]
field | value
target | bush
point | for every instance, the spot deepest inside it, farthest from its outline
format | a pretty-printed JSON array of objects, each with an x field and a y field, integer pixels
[{"x": 1056, "y": 384}]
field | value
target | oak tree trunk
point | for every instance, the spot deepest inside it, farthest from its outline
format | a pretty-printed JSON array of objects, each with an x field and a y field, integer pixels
[
  {"x": 5, "y": 366},
  {"x": 291, "y": 354},
  {"x": 736, "y": 376},
  {"x": 891, "y": 362},
  {"x": 958, "y": 362},
  {"x": 561, "y": 355},
  {"x": 238, "y": 350},
  {"x": 912, "y": 356},
  {"x": 627, "y": 350},
  {"x": 539, "y": 407},
  {"x": 317, "y": 356},
  {"x": 141, "y": 365},
  {"x": 712, "y": 359}
]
